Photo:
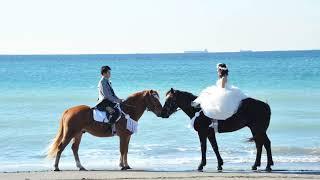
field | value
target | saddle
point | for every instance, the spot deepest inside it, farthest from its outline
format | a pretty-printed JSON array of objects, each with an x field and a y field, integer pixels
[{"x": 107, "y": 111}]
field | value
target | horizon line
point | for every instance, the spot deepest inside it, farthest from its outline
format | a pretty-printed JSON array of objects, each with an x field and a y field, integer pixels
[{"x": 185, "y": 52}]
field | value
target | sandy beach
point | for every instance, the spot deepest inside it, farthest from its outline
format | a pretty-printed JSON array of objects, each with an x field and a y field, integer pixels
[{"x": 159, "y": 175}]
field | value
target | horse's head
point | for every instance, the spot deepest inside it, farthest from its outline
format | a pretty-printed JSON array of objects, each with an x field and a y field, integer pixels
[
  {"x": 153, "y": 102},
  {"x": 178, "y": 99},
  {"x": 170, "y": 105}
]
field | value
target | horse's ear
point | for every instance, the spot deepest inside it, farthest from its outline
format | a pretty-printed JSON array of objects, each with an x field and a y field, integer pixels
[
  {"x": 172, "y": 90},
  {"x": 149, "y": 92}
]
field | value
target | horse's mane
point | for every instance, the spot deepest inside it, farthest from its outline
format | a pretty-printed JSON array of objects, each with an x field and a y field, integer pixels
[
  {"x": 133, "y": 96},
  {"x": 185, "y": 100},
  {"x": 192, "y": 96},
  {"x": 136, "y": 94},
  {"x": 129, "y": 101}
]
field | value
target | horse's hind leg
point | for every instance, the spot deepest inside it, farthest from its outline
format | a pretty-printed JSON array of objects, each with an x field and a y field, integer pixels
[
  {"x": 75, "y": 148},
  {"x": 65, "y": 141},
  {"x": 259, "y": 140},
  {"x": 267, "y": 145},
  {"x": 213, "y": 141},
  {"x": 203, "y": 134}
]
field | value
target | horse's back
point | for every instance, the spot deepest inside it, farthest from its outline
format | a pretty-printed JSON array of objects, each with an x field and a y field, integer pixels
[
  {"x": 79, "y": 108},
  {"x": 257, "y": 112},
  {"x": 255, "y": 106},
  {"x": 78, "y": 113}
]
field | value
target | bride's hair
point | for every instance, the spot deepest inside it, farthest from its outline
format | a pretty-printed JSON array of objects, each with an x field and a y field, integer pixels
[{"x": 224, "y": 69}]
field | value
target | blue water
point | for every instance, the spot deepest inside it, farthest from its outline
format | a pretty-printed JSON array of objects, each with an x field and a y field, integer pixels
[{"x": 35, "y": 90}]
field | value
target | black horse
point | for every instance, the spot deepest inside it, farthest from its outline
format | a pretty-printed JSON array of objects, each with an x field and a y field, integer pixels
[{"x": 252, "y": 113}]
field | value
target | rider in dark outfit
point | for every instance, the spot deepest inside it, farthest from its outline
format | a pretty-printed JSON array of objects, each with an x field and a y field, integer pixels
[{"x": 107, "y": 98}]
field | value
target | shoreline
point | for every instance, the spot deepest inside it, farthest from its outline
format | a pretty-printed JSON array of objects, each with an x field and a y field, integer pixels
[
  {"x": 141, "y": 174},
  {"x": 161, "y": 53}
]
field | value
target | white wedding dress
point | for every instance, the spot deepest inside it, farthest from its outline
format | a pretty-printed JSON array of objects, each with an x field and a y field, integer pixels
[{"x": 219, "y": 103}]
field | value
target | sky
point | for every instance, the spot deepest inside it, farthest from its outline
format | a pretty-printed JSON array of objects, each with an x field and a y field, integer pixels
[{"x": 157, "y": 26}]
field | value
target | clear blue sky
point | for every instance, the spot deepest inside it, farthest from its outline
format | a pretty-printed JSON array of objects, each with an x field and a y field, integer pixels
[{"x": 157, "y": 26}]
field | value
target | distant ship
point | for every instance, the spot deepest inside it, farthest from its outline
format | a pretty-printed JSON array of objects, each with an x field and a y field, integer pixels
[
  {"x": 204, "y": 51},
  {"x": 241, "y": 50}
]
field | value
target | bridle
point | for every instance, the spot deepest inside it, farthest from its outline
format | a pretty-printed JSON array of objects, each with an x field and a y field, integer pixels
[
  {"x": 173, "y": 105},
  {"x": 153, "y": 106}
]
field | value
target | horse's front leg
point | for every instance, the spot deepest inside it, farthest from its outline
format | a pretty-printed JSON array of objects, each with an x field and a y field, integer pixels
[
  {"x": 213, "y": 141},
  {"x": 124, "y": 142},
  {"x": 203, "y": 134},
  {"x": 125, "y": 158},
  {"x": 121, "y": 164}
]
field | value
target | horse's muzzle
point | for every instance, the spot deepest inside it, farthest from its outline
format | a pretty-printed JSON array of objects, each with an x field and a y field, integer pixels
[{"x": 164, "y": 114}]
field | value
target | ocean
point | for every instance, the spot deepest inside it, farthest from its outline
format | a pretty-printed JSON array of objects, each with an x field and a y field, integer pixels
[{"x": 36, "y": 89}]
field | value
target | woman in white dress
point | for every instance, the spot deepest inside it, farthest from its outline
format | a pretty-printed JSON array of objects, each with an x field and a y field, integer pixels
[{"x": 222, "y": 100}]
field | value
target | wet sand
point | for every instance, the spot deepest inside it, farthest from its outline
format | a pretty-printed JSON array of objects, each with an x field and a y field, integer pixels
[{"x": 159, "y": 175}]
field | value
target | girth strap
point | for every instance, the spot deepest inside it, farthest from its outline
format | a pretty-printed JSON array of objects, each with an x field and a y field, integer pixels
[{"x": 213, "y": 125}]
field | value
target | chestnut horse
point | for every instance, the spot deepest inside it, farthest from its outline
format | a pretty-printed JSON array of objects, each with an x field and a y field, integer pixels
[
  {"x": 251, "y": 113},
  {"x": 79, "y": 119}
]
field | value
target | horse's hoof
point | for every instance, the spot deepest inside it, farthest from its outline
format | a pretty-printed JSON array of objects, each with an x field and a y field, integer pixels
[
  {"x": 56, "y": 169},
  {"x": 220, "y": 163},
  {"x": 128, "y": 167},
  {"x": 254, "y": 168},
  {"x": 123, "y": 169},
  {"x": 201, "y": 165},
  {"x": 200, "y": 170},
  {"x": 268, "y": 169},
  {"x": 83, "y": 169},
  {"x": 219, "y": 168}
]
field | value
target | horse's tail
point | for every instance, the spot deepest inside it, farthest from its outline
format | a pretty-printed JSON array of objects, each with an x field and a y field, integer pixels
[
  {"x": 53, "y": 148},
  {"x": 252, "y": 139}
]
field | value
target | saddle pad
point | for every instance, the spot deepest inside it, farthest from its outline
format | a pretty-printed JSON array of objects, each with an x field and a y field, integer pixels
[
  {"x": 132, "y": 125},
  {"x": 100, "y": 116}
]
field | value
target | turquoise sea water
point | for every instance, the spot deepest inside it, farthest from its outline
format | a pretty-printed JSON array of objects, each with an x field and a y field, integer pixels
[{"x": 35, "y": 90}]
